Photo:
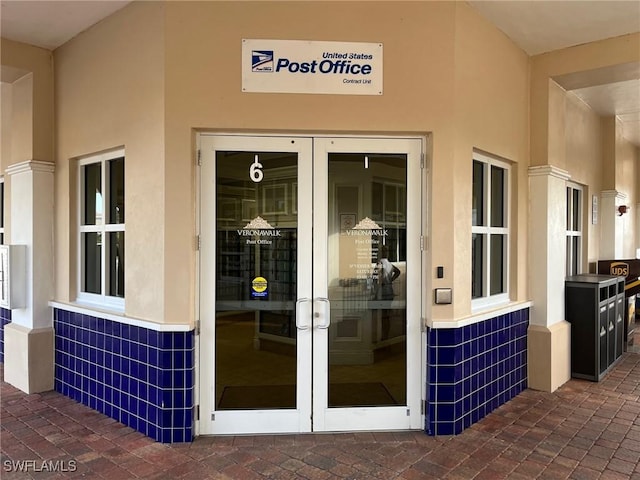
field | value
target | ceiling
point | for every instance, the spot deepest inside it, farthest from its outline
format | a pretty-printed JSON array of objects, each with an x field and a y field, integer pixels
[{"x": 536, "y": 26}]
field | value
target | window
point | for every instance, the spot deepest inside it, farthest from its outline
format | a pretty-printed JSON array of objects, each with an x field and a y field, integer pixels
[
  {"x": 574, "y": 230},
  {"x": 490, "y": 232},
  {"x": 101, "y": 230}
]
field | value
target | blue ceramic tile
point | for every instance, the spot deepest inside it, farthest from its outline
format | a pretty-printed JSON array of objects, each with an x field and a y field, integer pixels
[
  {"x": 190, "y": 378},
  {"x": 178, "y": 359},
  {"x": 165, "y": 436},
  {"x": 446, "y": 375},
  {"x": 446, "y": 337},
  {"x": 152, "y": 414},
  {"x": 166, "y": 340},
  {"x": 189, "y": 397},
  {"x": 179, "y": 341},
  {"x": 445, "y": 393},
  {"x": 444, "y": 428},
  {"x": 448, "y": 355},
  {"x": 431, "y": 355},
  {"x": 154, "y": 338}
]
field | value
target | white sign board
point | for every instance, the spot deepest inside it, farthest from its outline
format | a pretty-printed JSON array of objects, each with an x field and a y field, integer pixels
[{"x": 297, "y": 66}]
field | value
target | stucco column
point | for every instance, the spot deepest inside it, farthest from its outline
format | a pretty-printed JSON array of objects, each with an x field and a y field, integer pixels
[
  {"x": 549, "y": 338},
  {"x": 612, "y": 225},
  {"x": 29, "y": 337}
]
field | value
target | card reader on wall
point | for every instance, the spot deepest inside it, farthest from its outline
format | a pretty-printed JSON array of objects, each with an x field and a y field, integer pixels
[{"x": 443, "y": 296}]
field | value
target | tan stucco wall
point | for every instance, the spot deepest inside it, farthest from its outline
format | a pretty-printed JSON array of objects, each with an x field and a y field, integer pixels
[
  {"x": 605, "y": 53},
  {"x": 32, "y": 126},
  {"x": 27, "y": 111},
  {"x": 491, "y": 79},
  {"x": 583, "y": 144},
  {"x": 6, "y": 110},
  {"x": 110, "y": 93},
  {"x": 430, "y": 85},
  {"x": 154, "y": 73},
  {"x": 205, "y": 91},
  {"x": 626, "y": 172}
]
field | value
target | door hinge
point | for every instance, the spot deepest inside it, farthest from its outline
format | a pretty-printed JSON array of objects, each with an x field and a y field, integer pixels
[
  {"x": 423, "y": 407},
  {"x": 199, "y": 158},
  {"x": 198, "y": 243},
  {"x": 197, "y": 330},
  {"x": 196, "y": 414},
  {"x": 422, "y": 160},
  {"x": 423, "y": 324},
  {"x": 422, "y": 243},
  {"x": 408, "y": 412},
  {"x": 213, "y": 417}
]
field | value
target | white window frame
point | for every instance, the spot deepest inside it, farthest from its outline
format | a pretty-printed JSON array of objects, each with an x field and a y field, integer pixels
[
  {"x": 486, "y": 300},
  {"x": 93, "y": 299},
  {"x": 572, "y": 234}
]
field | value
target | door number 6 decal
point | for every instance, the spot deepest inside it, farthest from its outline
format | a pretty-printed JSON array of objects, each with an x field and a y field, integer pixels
[{"x": 255, "y": 171}]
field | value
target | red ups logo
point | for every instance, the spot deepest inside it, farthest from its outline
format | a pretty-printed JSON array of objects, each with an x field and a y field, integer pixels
[{"x": 620, "y": 269}]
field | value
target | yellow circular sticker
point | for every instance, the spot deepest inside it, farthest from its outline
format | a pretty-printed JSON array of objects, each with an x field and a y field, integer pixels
[{"x": 259, "y": 284}]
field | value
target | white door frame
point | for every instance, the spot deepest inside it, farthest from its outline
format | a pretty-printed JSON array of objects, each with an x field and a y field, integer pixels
[
  {"x": 325, "y": 419},
  {"x": 403, "y": 417}
]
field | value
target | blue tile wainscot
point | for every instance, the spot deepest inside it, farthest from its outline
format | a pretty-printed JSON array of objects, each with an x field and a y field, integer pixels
[
  {"x": 474, "y": 369},
  {"x": 5, "y": 317},
  {"x": 141, "y": 377}
]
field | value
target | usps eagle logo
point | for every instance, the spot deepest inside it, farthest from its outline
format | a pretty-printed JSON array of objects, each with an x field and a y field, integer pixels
[{"x": 262, "y": 60}]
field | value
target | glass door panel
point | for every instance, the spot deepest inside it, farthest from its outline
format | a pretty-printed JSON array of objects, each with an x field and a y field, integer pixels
[
  {"x": 309, "y": 256},
  {"x": 256, "y": 289},
  {"x": 367, "y": 357},
  {"x": 367, "y": 279},
  {"x": 255, "y": 338}
]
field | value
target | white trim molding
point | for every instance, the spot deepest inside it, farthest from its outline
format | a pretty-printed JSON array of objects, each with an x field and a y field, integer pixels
[
  {"x": 549, "y": 170},
  {"x": 481, "y": 317},
  {"x": 31, "y": 166},
  {"x": 614, "y": 194},
  {"x": 159, "y": 327}
]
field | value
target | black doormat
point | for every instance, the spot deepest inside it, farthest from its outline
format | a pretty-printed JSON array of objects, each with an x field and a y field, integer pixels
[{"x": 259, "y": 397}]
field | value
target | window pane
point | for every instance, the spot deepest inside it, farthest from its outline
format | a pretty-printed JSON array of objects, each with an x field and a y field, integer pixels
[
  {"x": 497, "y": 280},
  {"x": 568, "y": 208},
  {"x": 575, "y": 267},
  {"x": 576, "y": 210},
  {"x": 116, "y": 190},
  {"x": 92, "y": 243},
  {"x": 93, "y": 194},
  {"x": 477, "y": 261},
  {"x": 1, "y": 204},
  {"x": 477, "y": 212},
  {"x": 116, "y": 264},
  {"x": 497, "y": 196}
]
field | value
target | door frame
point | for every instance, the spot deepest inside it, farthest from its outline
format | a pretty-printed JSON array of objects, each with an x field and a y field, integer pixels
[{"x": 204, "y": 369}]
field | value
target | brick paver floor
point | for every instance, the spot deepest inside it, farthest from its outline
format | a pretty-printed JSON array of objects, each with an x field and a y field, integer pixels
[{"x": 582, "y": 431}]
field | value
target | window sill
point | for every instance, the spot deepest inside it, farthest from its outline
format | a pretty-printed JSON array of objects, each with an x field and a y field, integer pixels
[
  {"x": 117, "y": 316},
  {"x": 476, "y": 317}
]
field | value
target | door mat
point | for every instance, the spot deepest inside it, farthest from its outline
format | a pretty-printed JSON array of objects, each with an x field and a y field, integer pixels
[{"x": 254, "y": 397}]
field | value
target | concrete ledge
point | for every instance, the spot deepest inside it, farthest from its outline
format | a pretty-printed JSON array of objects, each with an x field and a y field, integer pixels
[
  {"x": 28, "y": 358},
  {"x": 549, "y": 356}
]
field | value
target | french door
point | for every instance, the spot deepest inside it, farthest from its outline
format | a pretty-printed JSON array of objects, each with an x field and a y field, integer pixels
[{"x": 310, "y": 275}]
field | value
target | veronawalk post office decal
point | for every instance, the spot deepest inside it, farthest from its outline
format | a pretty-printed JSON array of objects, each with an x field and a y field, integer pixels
[
  {"x": 259, "y": 232},
  {"x": 359, "y": 249}
]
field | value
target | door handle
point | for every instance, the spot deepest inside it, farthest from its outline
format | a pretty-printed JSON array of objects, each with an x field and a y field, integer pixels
[
  {"x": 325, "y": 301},
  {"x": 300, "y": 325}
]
